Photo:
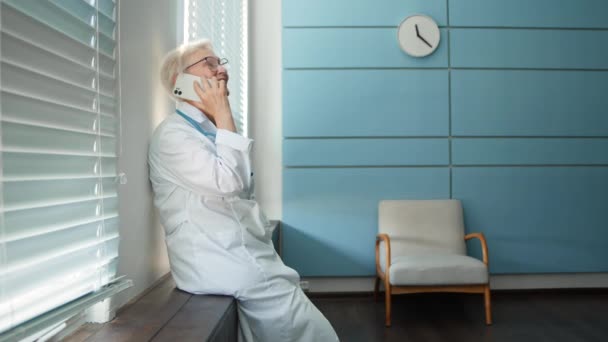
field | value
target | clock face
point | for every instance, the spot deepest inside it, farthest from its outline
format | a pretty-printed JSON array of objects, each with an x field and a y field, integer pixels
[{"x": 418, "y": 35}]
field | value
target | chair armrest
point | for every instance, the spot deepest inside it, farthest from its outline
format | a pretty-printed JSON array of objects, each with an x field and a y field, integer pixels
[
  {"x": 484, "y": 244},
  {"x": 387, "y": 240}
]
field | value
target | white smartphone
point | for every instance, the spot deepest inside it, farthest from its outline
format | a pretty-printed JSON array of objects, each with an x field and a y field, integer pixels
[{"x": 184, "y": 87}]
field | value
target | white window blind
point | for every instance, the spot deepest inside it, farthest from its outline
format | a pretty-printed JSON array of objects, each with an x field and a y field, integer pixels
[
  {"x": 224, "y": 22},
  {"x": 59, "y": 128}
]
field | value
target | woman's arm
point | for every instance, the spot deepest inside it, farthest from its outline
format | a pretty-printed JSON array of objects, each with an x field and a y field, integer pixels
[{"x": 193, "y": 164}]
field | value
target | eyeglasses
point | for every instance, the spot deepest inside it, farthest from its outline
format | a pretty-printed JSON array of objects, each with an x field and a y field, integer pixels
[{"x": 212, "y": 62}]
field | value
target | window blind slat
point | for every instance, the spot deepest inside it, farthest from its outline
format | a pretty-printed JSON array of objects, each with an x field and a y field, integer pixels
[
  {"x": 55, "y": 243},
  {"x": 4, "y": 91},
  {"x": 107, "y": 45},
  {"x": 42, "y": 113},
  {"x": 18, "y": 80},
  {"x": 62, "y": 249},
  {"x": 108, "y": 104},
  {"x": 55, "y": 228},
  {"x": 19, "y": 137},
  {"x": 87, "y": 14},
  {"x": 18, "y": 51},
  {"x": 35, "y": 123},
  {"x": 34, "y": 194},
  {"x": 107, "y": 86},
  {"x": 40, "y": 166},
  {"x": 107, "y": 8},
  {"x": 107, "y": 26},
  {"x": 107, "y": 65},
  {"x": 68, "y": 263},
  {"x": 70, "y": 75},
  {"x": 79, "y": 9},
  {"x": 56, "y": 18},
  {"x": 35, "y": 32},
  {"x": 33, "y": 221}
]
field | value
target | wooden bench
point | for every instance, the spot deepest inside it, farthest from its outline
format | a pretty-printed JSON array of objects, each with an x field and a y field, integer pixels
[{"x": 165, "y": 313}]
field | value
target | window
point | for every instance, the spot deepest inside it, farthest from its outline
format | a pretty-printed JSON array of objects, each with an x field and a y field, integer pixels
[
  {"x": 59, "y": 129},
  {"x": 224, "y": 22}
]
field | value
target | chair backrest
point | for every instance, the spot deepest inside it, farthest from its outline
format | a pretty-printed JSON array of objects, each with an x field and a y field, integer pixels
[{"x": 422, "y": 226}]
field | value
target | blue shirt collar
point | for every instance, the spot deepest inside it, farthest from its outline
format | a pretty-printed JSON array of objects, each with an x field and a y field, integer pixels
[{"x": 197, "y": 116}]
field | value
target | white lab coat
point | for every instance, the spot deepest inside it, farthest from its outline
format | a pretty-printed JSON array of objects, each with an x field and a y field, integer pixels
[{"x": 218, "y": 239}]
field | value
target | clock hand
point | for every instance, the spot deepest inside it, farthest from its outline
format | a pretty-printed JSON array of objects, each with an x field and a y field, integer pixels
[
  {"x": 424, "y": 40},
  {"x": 417, "y": 33}
]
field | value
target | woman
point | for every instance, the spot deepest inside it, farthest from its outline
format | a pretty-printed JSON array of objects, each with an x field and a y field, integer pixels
[{"x": 218, "y": 240}]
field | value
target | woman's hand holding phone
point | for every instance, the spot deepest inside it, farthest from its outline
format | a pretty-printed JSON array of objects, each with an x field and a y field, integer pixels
[{"x": 214, "y": 102}]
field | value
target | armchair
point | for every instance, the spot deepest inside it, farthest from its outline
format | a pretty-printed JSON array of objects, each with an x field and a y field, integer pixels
[{"x": 421, "y": 247}]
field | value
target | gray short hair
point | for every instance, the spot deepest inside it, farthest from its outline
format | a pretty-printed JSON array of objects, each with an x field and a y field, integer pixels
[{"x": 175, "y": 61}]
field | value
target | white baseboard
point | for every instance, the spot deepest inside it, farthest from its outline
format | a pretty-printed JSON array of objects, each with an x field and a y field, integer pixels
[
  {"x": 549, "y": 281},
  {"x": 497, "y": 282}
]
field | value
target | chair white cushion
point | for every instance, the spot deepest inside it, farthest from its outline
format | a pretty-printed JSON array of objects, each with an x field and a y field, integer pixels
[{"x": 437, "y": 269}]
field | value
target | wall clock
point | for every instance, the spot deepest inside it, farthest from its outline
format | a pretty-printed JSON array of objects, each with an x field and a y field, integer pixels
[{"x": 418, "y": 35}]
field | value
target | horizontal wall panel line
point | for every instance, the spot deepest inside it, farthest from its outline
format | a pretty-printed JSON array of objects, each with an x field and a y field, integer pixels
[
  {"x": 356, "y": 152},
  {"x": 367, "y": 137},
  {"x": 438, "y": 166},
  {"x": 366, "y": 68},
  {"x": 351, "y": 27},
  {"x": 532, "y": 136},
  {"x": 529, "y": 28},
  {"x": 448, "y": 68},
  {"x": 528, "y": 165},
  {"x": 458, "y": 27},
  {"x": 525, "y": 69},
  {"x": 435, "y": 166},
  {"x": 340, "y": 27},
  {"x": 526, "y": 13},
  {"x": 312, "y": 13}
]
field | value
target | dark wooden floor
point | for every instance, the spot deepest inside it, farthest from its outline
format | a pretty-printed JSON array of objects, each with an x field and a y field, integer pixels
[
  {"x": 166, "y": 314},
  {"x": 518, "y": 316}
]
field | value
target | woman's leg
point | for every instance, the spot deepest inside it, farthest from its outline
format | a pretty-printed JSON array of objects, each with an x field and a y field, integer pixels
[
  {"x": 276, "y": 309},
  {"x": 279, "y": 311}
]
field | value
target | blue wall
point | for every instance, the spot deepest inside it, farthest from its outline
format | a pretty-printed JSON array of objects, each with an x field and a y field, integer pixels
[{"x": 510, "y": 115}]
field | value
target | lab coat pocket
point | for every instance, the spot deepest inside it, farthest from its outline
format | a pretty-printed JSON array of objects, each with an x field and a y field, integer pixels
[
  {"x": 227, "y": 240},
  {"x": 171, "y": 234},
  {"x": 248, "y": 213}
]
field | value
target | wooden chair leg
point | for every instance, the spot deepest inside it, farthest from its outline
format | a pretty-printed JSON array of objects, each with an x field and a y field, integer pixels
[
  {"x": 387, "y": 292},
  {"x": 488, "y": 305},
  {"x": 376, "y": 288}
]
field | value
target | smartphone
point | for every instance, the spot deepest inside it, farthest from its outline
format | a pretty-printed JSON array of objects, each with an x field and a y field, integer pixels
[{"x": 184, "y": 87}]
